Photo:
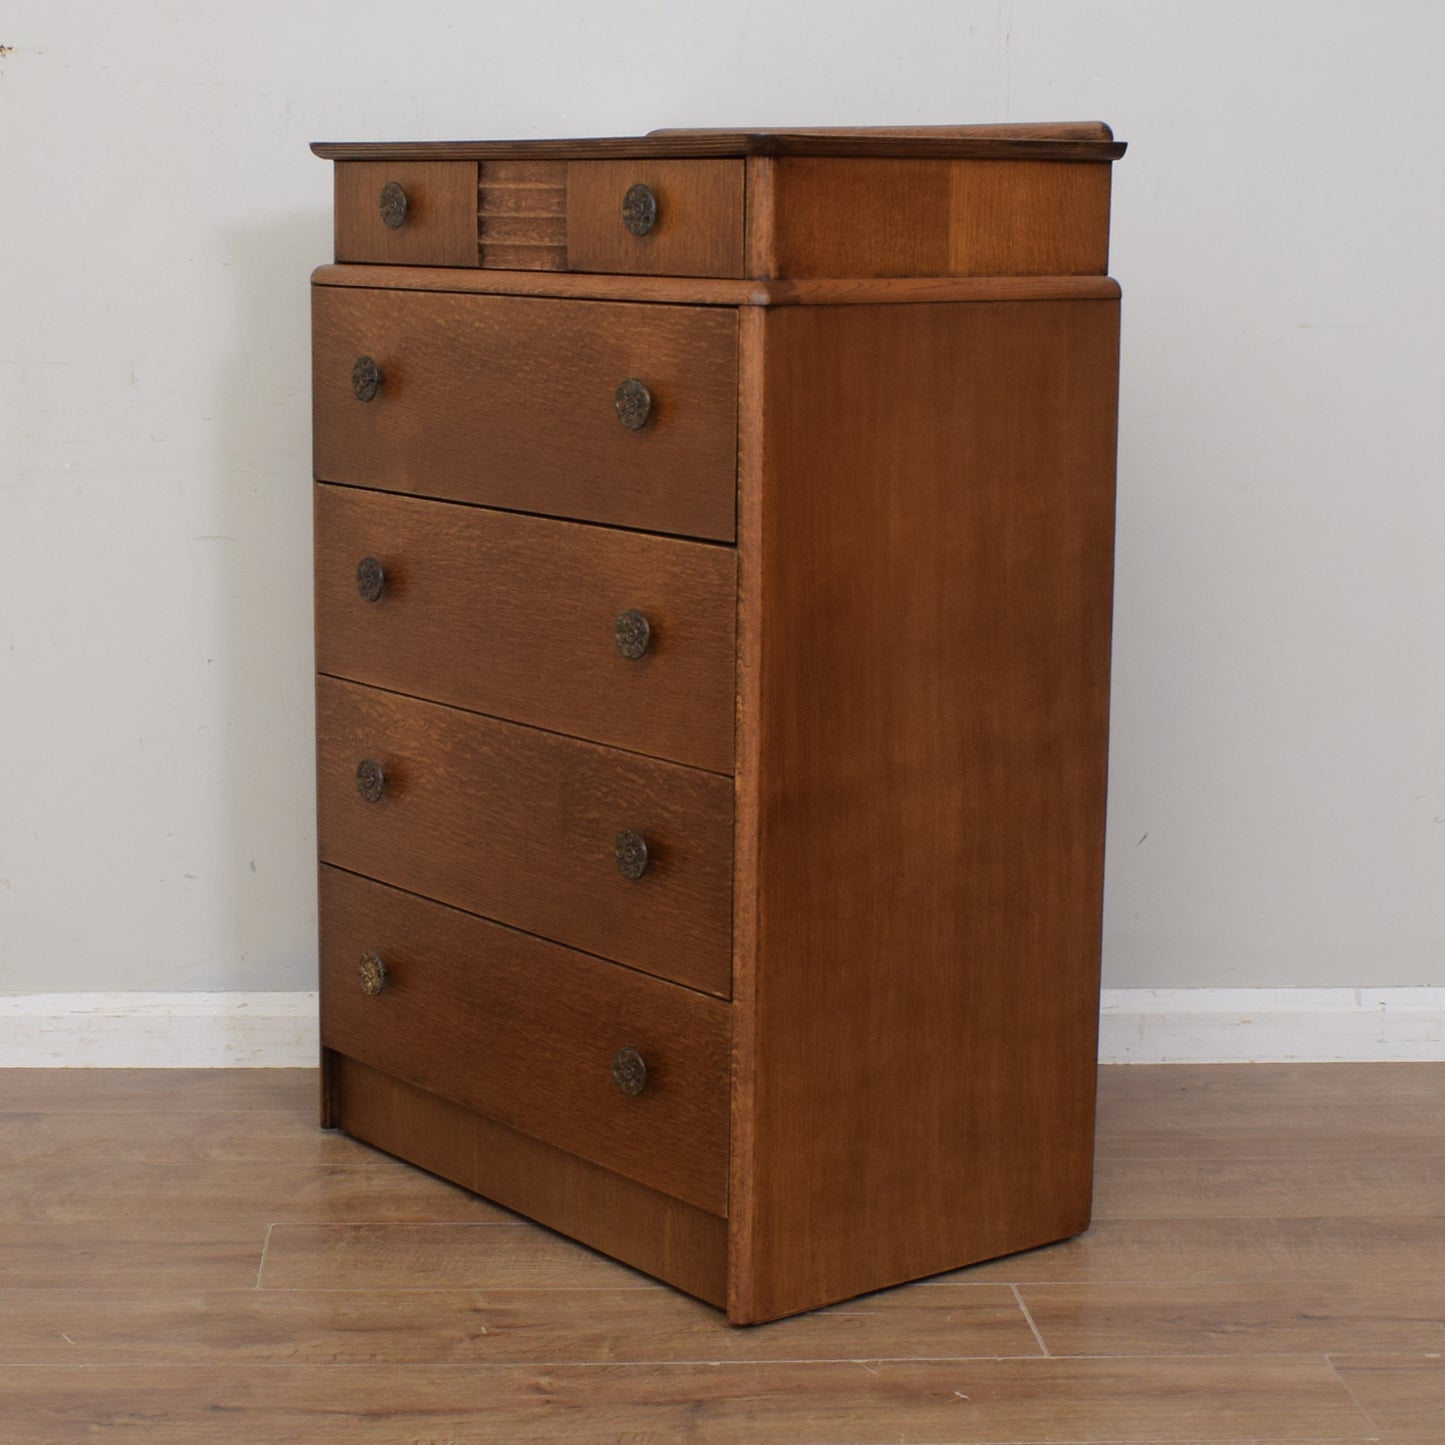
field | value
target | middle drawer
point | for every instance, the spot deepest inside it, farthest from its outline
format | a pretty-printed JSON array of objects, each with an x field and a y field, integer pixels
[
  {"x": 621, "y": 637},
  {"x": 621, "y": 855}
]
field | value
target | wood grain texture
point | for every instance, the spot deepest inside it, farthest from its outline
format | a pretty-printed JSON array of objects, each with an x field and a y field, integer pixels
[
  {"x": 1285, "y": 1112},
  {"x": 699, "y": 226},
  {"x": 1403, "y": 1395},
  {"x": 168, "y": 1091},
  {"x": 160, "y": 1137},
  {"x": 1093, "y": 130},
  {"x": 224, "y": 1195},
  {"x": 440, "y": 228},
  {"x": 365, "y": 1323},
  {"x": 934, "y": 588},
  {"x": 996, "y": 142},
  {"x": 524, "y": 1032},
  {"x": 522, "y": 214},
  {"x": 921, "y": 1403},
  {"x": 167, "y": 1253},
  {"x": 516, "y": 616},
  {"x": 504, "y": 1255},
  {"x": 1243, "y": 1318},
  {"x": 1262, "y": 1250},
  {"x": 753, "y": 422},
  {"x": 862, "y": 218},
  {"x": 1282, "y": 1187},
  {"x": 509, "y": 401},
  {"x": 519, "y": 825},
  {"x": 691, "y": 291},
  {"x": 654, "y": 1232},
  {"x": 1046, "y": 219}
]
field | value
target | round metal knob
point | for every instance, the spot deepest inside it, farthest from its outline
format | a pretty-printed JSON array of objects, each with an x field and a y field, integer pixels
[
  {"x": 630, "y": 853},
  {"x": 633, "y": 402},
  {"x": 370, "y": 579},
  {"x": 633, "y": 633},
  {"x": 393, "y": 206},
  {"x": 629, "y": 1072},
  {"x": 365, "y": 379},
  {"x": 372, "y": 972},
  {"x": 639, "y": 209},
  {"x": 370, "y": 780}
]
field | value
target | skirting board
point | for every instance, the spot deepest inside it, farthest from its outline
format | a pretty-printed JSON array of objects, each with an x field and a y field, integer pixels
[{"x": 1137, "y": 1026}]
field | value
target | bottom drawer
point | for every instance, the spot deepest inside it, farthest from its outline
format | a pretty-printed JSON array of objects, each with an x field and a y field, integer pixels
[{"x": 529, "y": 1034}]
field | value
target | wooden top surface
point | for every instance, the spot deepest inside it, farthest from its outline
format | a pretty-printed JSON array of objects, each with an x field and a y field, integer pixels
[{"x": 1066, "y": 141}]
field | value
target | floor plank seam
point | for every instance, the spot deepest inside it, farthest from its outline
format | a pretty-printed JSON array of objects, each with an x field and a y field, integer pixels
[
  {"x": 1029, "y": 1317},
  {"x": 1329, "y": 1359},
  {"x": 261, "y": 1266}
]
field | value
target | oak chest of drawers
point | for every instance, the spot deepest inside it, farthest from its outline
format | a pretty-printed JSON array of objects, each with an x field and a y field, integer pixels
[{"x": 713, "y": 576}]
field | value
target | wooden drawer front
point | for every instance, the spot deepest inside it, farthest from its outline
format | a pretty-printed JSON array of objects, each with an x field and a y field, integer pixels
[
  {"x": 698, "y": 230},
  {"x": 522, "y": 825},
  {"x": 437, "y": 223},
  {"x": 517, "y": 616},
  {"x": 511, "y": 401},
  {"x": 525, "y": 1032}
]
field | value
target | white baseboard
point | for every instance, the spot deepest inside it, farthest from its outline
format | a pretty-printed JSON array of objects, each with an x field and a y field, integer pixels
[
  {"x": 1271, "y": 1025},
  {"x": 1137, "y": 1026},
  {"x": 158, "y": 1030}
]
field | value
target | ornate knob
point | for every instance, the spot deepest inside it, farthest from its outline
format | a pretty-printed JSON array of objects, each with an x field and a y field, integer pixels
[
  {"x": 639, "y": 210},
  {"x": 629, "y": 1071},
  {"x": 372, "y": 972},
  {"x": 370, "y": 578},
  {"x": 370, "y": 780},
  {"x": 633, "y": 402},
  {"x": 365, "y": 379},
  {"x": 393, "y": 206},
  {"x": 633, "y": 633},
  {"x": 630, "y": 853}
]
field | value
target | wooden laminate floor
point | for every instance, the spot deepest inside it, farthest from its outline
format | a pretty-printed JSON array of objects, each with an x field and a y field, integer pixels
[{"x": 185, "y": 1257}]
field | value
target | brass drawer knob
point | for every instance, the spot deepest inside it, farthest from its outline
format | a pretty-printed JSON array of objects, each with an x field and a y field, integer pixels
[
  {"x": 633, "y": 402},
  {"x": 370, "y": 780},
  {"x": 370, "y": 579},
  {"x": 372, "y": 972},
  {"x": 629, "y": 1071},
  {"x": 633, "y": 633},
  {"x": 393, "y": 206},
  {"x": 630, "y": 853},
  {"x": 365, "y": 379},
  {"x": 639, "y": 209}
]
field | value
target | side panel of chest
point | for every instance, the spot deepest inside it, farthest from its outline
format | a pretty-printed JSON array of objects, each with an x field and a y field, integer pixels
[{"x": 927, "y": 558}]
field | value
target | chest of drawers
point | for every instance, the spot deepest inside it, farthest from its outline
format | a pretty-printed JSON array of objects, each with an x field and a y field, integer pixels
[{"x": 713, "y": 583}]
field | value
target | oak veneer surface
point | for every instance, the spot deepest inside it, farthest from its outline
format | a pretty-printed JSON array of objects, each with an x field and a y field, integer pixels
[
  {"x": 926, "y": 678},
  {"x": 655, "y": 1232},
  {"x": 464, "y": 413},
  {"x": 1089, "y": 141},
  {"x": 524, "y": 1032},
  {"x": 699, "y": 226},
  {"x": 440, "y": 228},
  {"x": 520, "y": 826},
  {"x": 522, "y": 214},
  {"x": 864, "y": 218},
  {"x": 293, "y": 1325},
  {"x": 516, "y": 616}
]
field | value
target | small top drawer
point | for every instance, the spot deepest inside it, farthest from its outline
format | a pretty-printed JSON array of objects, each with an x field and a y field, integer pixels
[
  {"x": 407, "y": 213},
  {"x": 656, "y": 217}
]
